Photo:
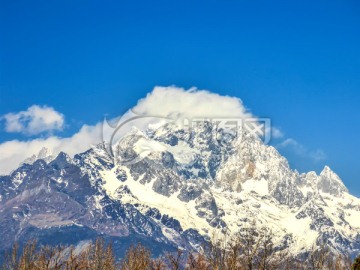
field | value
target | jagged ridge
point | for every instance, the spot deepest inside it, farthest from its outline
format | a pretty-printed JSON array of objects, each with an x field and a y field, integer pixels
[{"x": 172, "y": 187}]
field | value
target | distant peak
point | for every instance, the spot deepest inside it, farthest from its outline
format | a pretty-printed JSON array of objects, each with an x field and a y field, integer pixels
[
  {"x": 326, "y": 170},
  {"x": 44, "y": 154},
  {"x": 329, "y": 173},
  {"x": 331, "y": 182}
]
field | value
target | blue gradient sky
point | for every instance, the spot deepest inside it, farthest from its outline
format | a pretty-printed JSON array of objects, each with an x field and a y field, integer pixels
[{"x": 297, "y": 62}]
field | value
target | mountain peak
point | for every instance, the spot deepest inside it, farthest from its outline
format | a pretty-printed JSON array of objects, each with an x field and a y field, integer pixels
[
  {"x": 44, "y": 154},
  {"x": 326, "y": 171},
  {"x": 61, "y": 161},
  {"x": 330, "y": 182},
  {"x": 170, "y": 181}
]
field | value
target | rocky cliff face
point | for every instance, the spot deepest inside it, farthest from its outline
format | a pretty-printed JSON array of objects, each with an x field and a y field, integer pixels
[{"x": 170, "y": 187}]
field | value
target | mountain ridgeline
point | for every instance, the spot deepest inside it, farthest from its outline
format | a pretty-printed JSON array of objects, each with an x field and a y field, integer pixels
[{"x": 171, "y": 188}]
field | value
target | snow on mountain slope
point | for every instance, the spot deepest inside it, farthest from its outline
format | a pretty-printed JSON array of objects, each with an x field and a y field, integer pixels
[
  {"x": 172, "y": 187},
  {"x": 221, "y": 187},
  {"x": 144, "y": 194}
]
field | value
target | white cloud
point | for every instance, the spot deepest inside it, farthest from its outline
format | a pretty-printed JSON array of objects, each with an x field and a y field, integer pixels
[
  {"x": 14, "y": 152},
  {"x": 276, "y": 133},
  {"x": 162, "y": 101},
  {"x": 193, "y": 103},
  {"x": 177, "y": 103},
  {"x": 301, "y": 150},
  {"x": 36, "y": 119}
]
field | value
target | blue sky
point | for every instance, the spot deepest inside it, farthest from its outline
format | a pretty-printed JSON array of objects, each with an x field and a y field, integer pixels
[{"x": 297, "y": 62}]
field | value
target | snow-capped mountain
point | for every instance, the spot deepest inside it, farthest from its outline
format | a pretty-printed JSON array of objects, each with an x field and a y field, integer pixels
[
  {"x": 172, "y": 187},
  {"x": 44, "y": 154}
]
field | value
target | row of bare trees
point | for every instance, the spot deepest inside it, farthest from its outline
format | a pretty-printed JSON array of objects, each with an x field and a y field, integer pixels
[
  {"x": 251, "y": 249},
  {"x": 91, "y": 256},
  {"x": 254, "y": 249}
]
